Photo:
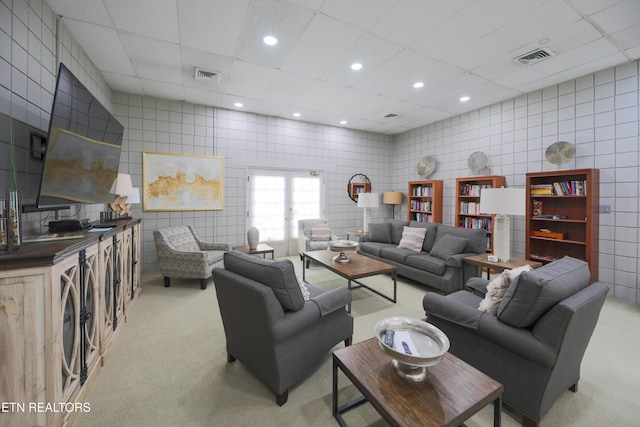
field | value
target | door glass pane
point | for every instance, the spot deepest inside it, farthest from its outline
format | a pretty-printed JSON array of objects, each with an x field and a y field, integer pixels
[
  {"x": 267, "y": 209},
  {"x": 305, "y": 200}
]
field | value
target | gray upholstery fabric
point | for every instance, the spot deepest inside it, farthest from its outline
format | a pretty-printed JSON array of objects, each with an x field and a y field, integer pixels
[
  {"x": 536, "y": 365},
  {"x": 448, "y": 245},
  {"x": 380, "y": 232},
  {"x": 373, "y": 248},
  {"x": 534, "y": 292},
  {"x": 427, "y": 262},
  {"x": 397, "y": 226},
  {"x": 395, "y": 253},
  {"x": 279, "y": 347},
  {"x": 477, "y": 237},
  {"x": 278, "y": 275},
  {"x": 432, "y": 228}
]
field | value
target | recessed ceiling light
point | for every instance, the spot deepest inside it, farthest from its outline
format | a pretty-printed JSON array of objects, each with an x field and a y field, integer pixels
[
  {"x": 296, "y": 114},
  {"x": 418, "y": 85},
  {"x": 544, "y": 41},
  {"x": 464, "y": 99},
  {"x": 270, "y": 40},
  {"x": 238, "y": 104},
  {"x": 343, "y": 122},
  {"x": 356, "y": 66}
]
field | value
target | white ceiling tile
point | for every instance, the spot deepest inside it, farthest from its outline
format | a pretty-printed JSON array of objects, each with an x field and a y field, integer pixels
[
  {"x": 277, "y": 18},
  {"x": 122, "y": 83},
  {"x": 192, "y": 58},
  {"x": 91, "y": 11},
  {"x": 361, "y": 13},
  {"x": 202, "y": 97},
  {"x": 162, "y": 89},
  {"x": 628, "y": 38},
  {"x": 318, "y": 94},
  {"x": 348, "y": 100},
  {"x": 285, "y": 87},
  {"x": 248, "y": 79},
  {"x": 211, "y": 25},
  {"x": 322, "y": 43},
  {"x": 95, "y": 37},
  {"x": 156, "y": 19},
  {"x": 619, "y": 16},
  {"x": 589, "y": 7},
  {"x": 153, "y": 59}
]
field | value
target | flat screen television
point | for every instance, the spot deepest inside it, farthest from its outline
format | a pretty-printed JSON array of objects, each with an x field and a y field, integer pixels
[{"x": 83, "y": 149}]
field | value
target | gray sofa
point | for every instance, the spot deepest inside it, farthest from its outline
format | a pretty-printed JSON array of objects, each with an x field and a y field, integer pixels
[
  {"x": 279, "y": 329},
  {"x": 535, "y": 342},
  {"x": 442, "y": 268}
]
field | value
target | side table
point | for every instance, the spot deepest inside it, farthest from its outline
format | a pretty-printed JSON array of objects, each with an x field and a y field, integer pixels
[
  {"x": 356, "y": 233},
  {"x": 483, "y": 260},
  {"x": 260, "y": 249}
]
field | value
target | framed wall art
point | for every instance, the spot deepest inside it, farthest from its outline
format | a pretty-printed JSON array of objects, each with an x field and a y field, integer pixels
[{"x": 182, "y": 182}]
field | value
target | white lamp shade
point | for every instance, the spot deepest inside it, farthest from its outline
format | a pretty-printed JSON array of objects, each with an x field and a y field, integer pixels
[
  {"x": 122, "y": 185},
  {"x": 503, "y": 201},
  {"x": 134, "y": 196},
  {"x": 368, "y": 200},
  {"x": 392, "y": 198}
]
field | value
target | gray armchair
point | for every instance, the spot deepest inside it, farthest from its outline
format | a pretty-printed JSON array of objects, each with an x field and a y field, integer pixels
[
  {"x": 535, "y": 344},
  {"x": 181, "y": 253},
  {"x": 269, "y": 325}
]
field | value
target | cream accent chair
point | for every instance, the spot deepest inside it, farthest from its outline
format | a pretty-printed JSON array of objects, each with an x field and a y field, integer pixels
[
  {"x": 181, "y": 253},
  {"x": 306, "y": 241}
]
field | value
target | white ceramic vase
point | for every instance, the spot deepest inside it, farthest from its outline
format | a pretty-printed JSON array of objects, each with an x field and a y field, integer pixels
[{"x": 253, "y": 236}]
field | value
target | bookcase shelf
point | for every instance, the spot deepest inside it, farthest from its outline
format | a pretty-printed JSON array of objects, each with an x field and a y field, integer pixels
[
  {"x": 468, "y": 203},
  {"x": 424, "y": 201},
  {"x": 565, "y": 202}
]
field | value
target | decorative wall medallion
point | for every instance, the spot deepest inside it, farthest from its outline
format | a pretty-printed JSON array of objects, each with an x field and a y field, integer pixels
[
  {"x": 560, "y": 152},
  {"x": 426, "y": 166}
]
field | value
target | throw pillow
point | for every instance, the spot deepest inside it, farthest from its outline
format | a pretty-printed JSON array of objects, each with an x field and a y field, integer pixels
[
  {"x": 380, "y": 232},
  {"x": 448, "y": 245},
  {"x": 303, "y": 288},
  {"x": 412, "y": 238},
  {"x": 320, "y": 231},
  {"x": 536, "y": 291},
  {"x": 498, "y": 287}
]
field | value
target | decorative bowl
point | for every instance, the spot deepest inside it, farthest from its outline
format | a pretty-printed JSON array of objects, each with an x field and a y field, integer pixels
[
  {"x": 416, "y": 345},
  {"x": 342, "y": 245}
]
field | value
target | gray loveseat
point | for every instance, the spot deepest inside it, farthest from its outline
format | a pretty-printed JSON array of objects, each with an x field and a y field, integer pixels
[
  {"x": 440, "y": 262},
  {"x": 279, "y": 329},
  {"x": 535, "y": 342}
]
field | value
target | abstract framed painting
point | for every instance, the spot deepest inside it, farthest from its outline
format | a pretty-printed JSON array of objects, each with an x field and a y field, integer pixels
[{"x": 182, "y": 182}]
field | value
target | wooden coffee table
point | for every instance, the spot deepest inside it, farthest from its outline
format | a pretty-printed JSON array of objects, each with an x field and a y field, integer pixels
[
  {"x": 451, "y": 394},
  {"x": 358, "y": 267}
]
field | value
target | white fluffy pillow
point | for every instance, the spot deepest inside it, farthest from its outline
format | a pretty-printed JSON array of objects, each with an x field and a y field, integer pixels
[
  {"x": 320, "y": 231},
  {"x": 498, "y": 287},
  {"x": 412, "y": 238}
]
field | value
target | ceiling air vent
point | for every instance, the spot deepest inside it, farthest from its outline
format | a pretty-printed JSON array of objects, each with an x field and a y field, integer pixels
[
  {"x": 201, "y": 74},
  {"x": 534, "y": 56},
  {"x": 390, "y": 116}
]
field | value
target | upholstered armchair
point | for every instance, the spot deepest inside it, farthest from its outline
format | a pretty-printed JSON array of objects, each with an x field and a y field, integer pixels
[
  {"x": 277, "y": 327},
  {"x": 181, "y": 253},
  {"x": 313, "y": 235},
  {"x": 535, "y": 341}
]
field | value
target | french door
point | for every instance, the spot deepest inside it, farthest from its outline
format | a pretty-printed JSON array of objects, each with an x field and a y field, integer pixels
[{"x": 277, "y": 199}]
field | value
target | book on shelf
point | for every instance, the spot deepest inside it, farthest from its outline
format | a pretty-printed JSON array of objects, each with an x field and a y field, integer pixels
[{"x": 560, "y": 188}]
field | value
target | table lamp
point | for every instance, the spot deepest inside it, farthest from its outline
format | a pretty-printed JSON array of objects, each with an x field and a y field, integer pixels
[
  {"x": 392, "y": 198},
  {"x": 367, "y": 201},
  {"x": 122, "y": 188},
  {"x": 502, "y": 202}
]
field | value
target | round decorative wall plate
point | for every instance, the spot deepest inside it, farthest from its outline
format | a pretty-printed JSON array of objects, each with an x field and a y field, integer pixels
[
  {"x": 560, "y": 152},
  {"x": 477, "y": 161},
  {"x": 426, "y": 166}
]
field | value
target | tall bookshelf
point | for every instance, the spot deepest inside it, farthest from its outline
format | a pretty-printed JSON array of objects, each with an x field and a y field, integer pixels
[
  {"x": 468, "y": 203},
  {"x": 563, "y": 216},
  {"x": 424, "y": 202}
]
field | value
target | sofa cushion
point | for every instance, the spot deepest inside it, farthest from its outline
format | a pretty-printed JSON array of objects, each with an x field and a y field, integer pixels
[
  {"x": 395, "y": 253},
  {"x": 380, "y": 232},
  {"x": 497, "y": 288},
  {"x": 279, "y": 275},
  {"x": 448, "y": 245},
  {"x": 320, "y": 231},
  {"x": 477, "y": 237},
  {"x": 534, "y": 292},
  {"x": 397, "y": 226},
  {"x": 426, "y": 262},
  {"x": 432, "y": 228},
  {"x": 412, "y": 238},
  {"x": 374, "y": 248}
]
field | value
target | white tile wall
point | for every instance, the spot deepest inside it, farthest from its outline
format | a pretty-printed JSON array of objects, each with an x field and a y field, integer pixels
[{"x": 598, "y": 112}]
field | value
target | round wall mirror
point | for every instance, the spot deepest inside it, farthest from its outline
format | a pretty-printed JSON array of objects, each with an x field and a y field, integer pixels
[{"x": 359, "y": 183}]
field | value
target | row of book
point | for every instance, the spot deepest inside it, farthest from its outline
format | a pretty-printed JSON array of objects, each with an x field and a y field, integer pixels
[
  {"x": 484, "y": 223},
  {"x": 560, "y": 188},
  {"x": 422, "y": 217},
  {"x": 417, "y": 205},
  {"x": 470, "y": 208},
  {"x": 472, "y": 189},
  {"x": 422, "y": 191}
]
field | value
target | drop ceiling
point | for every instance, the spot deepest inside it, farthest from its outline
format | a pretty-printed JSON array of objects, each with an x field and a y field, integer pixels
[{"x": 455, "y": 47}]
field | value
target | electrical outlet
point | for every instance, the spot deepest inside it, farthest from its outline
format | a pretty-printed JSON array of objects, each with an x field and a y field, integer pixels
[{"x": 605, "y": 208}]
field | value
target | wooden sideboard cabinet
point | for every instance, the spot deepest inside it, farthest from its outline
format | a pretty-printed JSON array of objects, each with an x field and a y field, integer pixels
[{"x": 61, "y": 305}]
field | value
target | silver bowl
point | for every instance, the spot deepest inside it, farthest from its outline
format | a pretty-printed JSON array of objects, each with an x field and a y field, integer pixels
[
  {"x": 427, "y": 345},
  {"x": 342, "y": 245}
]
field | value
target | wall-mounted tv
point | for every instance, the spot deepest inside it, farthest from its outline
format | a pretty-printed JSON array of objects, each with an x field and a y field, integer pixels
[{"x": 83, "y": 149}]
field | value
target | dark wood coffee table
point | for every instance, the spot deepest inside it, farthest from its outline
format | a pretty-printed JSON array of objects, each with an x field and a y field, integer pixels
[
  {"x": 451, "y": 394},
  {"x": 358, "y": 267}
]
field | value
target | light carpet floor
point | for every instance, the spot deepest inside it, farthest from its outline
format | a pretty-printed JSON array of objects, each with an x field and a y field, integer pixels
[{"x": 167, "y": 367}]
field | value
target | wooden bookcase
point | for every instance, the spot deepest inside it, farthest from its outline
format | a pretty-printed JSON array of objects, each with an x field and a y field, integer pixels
[
  {"x": 468, "y": 203},
  {"x": 563, "y": 216},
  {"x": 424, "y": 201}
]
